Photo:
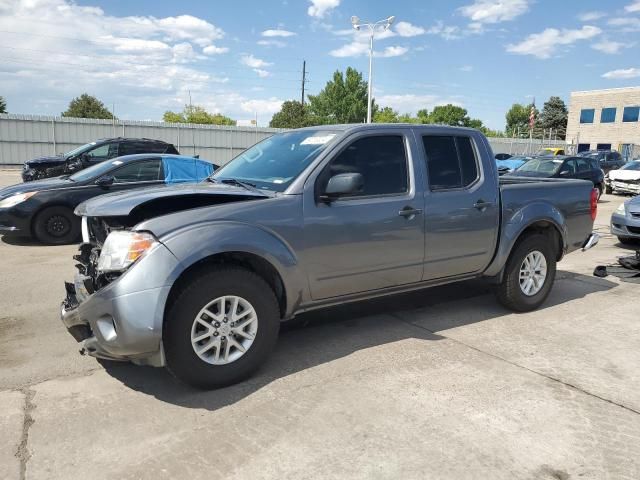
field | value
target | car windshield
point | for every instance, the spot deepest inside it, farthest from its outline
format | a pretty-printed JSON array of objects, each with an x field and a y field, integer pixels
[
  {"x": 95, "y": 171},
  {"x": 541, "y": 165},
  {"x": 78, "y": 150},
  {"x": 276, "y": 162},
  {"x": 635, "y": 165}
]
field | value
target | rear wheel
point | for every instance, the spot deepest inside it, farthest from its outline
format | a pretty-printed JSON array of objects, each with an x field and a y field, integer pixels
[
  {"x": 600, "y": 188},
  {"x": 608, "y": 189},
  {"x": 529, "y": 274},
  {"x": 627, "y": 240},
  {"x": 56, "y": 226},
  {"x": 221, "y": 327}
]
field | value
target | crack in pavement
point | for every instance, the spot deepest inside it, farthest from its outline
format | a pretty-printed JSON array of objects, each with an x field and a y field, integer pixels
[
  {"x": 497, "y": 357},
  {"x": 22, "y": 452}
]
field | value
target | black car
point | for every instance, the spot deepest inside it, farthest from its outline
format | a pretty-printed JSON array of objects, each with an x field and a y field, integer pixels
[
  {"x": 90, "y": 154},
  {"x": 44, "y": 208},
  {"x": 562, "y": 166},
  {"x": 608, "y": 159},
  {"x": 502, "y": 156}
]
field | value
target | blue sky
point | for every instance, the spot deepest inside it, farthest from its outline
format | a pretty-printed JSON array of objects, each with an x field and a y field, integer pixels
[{"x": 244, "y": 57}]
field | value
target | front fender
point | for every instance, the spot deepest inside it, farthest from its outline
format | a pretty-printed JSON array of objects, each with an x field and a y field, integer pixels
[
  {"x": 193, "y": 244},
  {"x": 517, "y": 221}
]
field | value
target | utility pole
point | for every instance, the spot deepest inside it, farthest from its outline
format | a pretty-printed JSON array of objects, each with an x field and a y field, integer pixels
[{"x": 304, "y": 79}]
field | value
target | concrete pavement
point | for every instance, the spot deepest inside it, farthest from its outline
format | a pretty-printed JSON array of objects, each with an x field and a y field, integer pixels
[{"x": 442, "y": 383}]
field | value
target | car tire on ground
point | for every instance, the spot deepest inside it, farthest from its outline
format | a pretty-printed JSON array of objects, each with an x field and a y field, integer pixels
[
  {"x": 608, "y": 189},
  {"x": 600, "y": 188},
  {"x": 529, "y": 274},
  {"x": 221, "y": 327},
  {"x": 56, "y": 226},
  {"x": 627, "y": 241}
]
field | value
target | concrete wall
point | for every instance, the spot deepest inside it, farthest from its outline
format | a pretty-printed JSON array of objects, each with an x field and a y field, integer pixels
[
  {"x": 23, "y": 137},
  {"x": 617, "y": 133}
]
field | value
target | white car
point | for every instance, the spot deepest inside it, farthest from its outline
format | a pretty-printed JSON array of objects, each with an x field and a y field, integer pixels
[{"x": 624, "y": 180}]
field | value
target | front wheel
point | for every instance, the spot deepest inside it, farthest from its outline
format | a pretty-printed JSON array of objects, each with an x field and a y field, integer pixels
[
  {"x": 627, "y": 240},
  {"x": 529, "y": 274},
  {"x": 56, "y": 226},
  {"x": 600, "y": 190},
  {"x": 221, "y": 327},
  {"x": 608, "y": 189}
]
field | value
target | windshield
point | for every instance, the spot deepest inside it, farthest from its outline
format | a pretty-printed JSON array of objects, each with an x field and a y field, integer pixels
[
  {"x": 95, "y": 171},
  {"x": 275, "y": 162},
  {"x": 635, "y": 165},
  {"x": 78, "y": 150},
  {"x": 541, "y": 166}
]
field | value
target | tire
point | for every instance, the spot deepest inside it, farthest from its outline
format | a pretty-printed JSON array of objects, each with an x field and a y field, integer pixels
[
  {"x": 627, "y": 241},
  {"x": 56, "y": 226},
  {"x": 600, "y": 190},
  {"x": 509, "y": 291},
  {"x": 182, "y": 325},
  {"x": 608, "y": 189}
]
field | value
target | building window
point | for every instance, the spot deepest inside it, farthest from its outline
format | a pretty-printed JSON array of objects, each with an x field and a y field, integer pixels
[
  {"x": 630, "y": 114},
  {"x": 586, "y": 115},
  {"x": 608, "y": 115},
  {"x": 583, "y": 147}
]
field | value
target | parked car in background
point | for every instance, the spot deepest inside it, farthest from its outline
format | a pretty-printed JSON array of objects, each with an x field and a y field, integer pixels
[
  {"x": 303, "y": 220},
  {"x": 509, "y": 165},
  {"x": 608, "y": 159},
  {"x": 553, "y": 151},
  {"x": 626, "y": 179},
  {"x": 625, "y": 221},
  {"x": 44, "y": 208},
  {"x": 563, "y": 167},
  {"x": 90, "y": 154},
  {"x": 502, "y": 156}
]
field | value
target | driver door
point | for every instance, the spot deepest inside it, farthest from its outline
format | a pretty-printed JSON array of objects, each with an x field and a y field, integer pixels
[{"x": 100, "y": 154}]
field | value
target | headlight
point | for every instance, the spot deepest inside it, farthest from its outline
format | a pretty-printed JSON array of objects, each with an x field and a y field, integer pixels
[
  {"x": 621, "y": 210},
  {"x": 14, "y": 200},
  {"x": 122, "y": 248}
]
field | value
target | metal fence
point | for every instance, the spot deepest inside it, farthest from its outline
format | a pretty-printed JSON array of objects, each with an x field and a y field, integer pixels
[{"x": 23, "y": 137}]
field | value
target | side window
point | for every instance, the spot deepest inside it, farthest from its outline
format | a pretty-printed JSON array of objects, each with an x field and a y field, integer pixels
[
  {"x": 99, "y": 152},
  {"x": 127, "y": 148},
  {"x": 153, "y": 147},
  {"x": 595, "y": 165},
  {"x": 382, "y": 161},
  {"x": 569, "y": 166},
  {"x": 113, "y": 150},
  {"x": 583, "y": 165},
  {"x": 144, "y": 171},
  {"x": 451, "y": 161}
]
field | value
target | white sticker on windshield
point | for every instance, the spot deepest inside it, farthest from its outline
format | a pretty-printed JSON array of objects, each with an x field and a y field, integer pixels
[
  {"x": 278, "y": 180},
  {"x": 318, "y": 140},
  {"x": 116, "y": 162}
]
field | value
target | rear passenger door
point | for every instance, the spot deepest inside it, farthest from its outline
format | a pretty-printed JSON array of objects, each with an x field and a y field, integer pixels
[{"x": 461, "y": 207}]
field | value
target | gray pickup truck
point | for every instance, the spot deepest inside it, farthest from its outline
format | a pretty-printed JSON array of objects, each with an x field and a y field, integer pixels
[{"x": 198, "y": 278}]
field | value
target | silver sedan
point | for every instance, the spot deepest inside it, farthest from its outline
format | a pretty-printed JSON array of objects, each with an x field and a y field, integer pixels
[{"x": 625, "y": 221}]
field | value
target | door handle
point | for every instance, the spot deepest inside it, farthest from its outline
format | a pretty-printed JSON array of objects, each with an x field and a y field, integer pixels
[
  {"x": 482, "y": 205},
  {"x": 409, "y": 212}
]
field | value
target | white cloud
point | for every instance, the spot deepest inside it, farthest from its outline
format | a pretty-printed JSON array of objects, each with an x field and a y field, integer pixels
[
  {"x": 544, "y": 44},
  {"x": 319, "y": 8},
  {"x": 622, "y": 74},
  {"x": 353, "y": 49},
  {"x": 394, "y": 51},
  {"x": 627, "y": 24},
  {"x": 609, "y": 46},
  {"x": 278, "y": 33},
  {"x": 262, "y": 73},
  {"x": 263, "y": 106},
  {"x": 411, "y": 103},
  {"x": 253, "y": 62},
  {"x": 272, "y": 43},
  {"x": 633, "y": 7},
  {"x": 466, "y": 68},
  {"x": 494, "y": 11},
  {"x": 360, "y": 44},
  {"x": 591, "y": 16},
  {"x": 405, "y": 29},
  {"x": 448, "y": 32},
  {"x": 213, "y": 50}
]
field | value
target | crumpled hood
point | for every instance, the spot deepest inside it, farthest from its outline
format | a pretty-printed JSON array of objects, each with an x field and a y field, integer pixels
[
  {"x": 35, "y": 186},
  {"x": 119, "y": 204},
  {"x": 624, "y": 175},
  {"x": 44, "y": 161}
]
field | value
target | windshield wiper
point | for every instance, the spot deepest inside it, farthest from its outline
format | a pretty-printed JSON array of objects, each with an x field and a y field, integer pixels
[{"x": 241, "y": 183}]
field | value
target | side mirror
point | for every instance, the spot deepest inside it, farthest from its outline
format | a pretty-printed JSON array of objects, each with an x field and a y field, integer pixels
[
  {"x": 105, "y": 181},
  {"x": 341, "y": 185},
  {"x": 564, "y": 173}
]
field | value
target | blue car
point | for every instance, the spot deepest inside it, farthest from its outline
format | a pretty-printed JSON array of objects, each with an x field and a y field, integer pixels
[
  {"x": 511, "y": 164},
  {"x": 44, "y": 208}
]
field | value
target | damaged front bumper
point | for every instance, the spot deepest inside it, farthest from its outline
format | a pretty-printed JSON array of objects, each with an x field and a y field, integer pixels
[
  {"x": 626, "y": 226},
  {"x": 123, "y": 319},
  {"x": 632, "y": 187}
]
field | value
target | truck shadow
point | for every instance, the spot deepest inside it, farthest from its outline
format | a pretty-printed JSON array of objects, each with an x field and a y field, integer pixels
[{"x": 317, "y": 338}]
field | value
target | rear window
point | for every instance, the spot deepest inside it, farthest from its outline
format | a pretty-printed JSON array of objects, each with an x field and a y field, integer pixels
[{"x": 451, "y": 161}]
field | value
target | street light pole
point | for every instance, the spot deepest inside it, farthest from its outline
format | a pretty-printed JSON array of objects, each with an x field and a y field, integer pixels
[{"x": 386, "y": 23}]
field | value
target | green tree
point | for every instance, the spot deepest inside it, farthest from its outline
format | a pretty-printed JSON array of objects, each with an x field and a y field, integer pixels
[
  {"x": 518, "y": 118},
  {"x": 342, "y": 100},
  {"x": 3, "y": 105},
  {"x": 386, "y": 115},
  {"x": 422, "y": 116},
  {"x": 554, "y": 116},
  {"x": 87, "y": 106},
  {"x": 292, "y": 114},
  {"x": 450, "y": 115},
  {"x": 196, "y": 114}
]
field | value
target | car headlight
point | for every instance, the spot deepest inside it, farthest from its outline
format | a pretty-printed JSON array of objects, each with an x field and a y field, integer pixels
[
  {"x": 621, "y": 209},
  {"x": 122, "y": 248},
  {"x": 14, "y": 200}
]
